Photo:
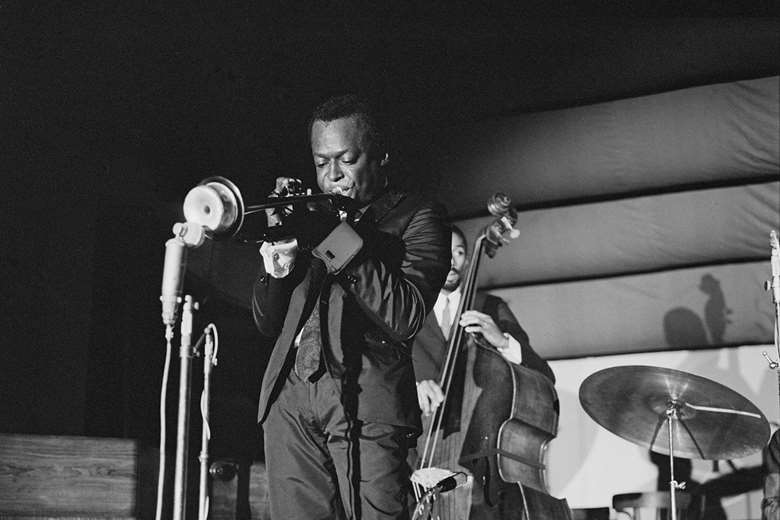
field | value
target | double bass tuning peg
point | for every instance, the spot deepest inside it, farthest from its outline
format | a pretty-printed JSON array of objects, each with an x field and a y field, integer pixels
[
  {"x": 502, "y": 230},
  {"x": 500, "y": 205},
  {"x": 772, "y": 363}
]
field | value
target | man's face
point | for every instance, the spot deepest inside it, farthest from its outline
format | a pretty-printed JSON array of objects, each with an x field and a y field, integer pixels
[
  {"x": 342, "y": 160},
  {"x": 457, "y": 264}
]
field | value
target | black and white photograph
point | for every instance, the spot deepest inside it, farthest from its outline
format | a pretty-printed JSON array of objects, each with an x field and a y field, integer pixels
[{"x": 514, "y": 260}]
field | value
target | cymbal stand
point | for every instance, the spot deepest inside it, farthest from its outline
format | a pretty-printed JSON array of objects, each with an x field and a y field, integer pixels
[
  {"x": 773, "y": 286},
  {"x": 672, "y": 414}
]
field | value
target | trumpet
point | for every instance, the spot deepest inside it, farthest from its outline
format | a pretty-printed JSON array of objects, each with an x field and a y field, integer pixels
[{"x": 217, "y": 205}]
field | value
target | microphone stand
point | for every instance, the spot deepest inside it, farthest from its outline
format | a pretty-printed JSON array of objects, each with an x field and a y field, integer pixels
[
  {"x": 773, "y": 286},
  {"x": 186, "y": 353},
  {"x": 424, "y": 507},
  {"x": 209, "y": 361},
  {"x": 186, "y": 236}
]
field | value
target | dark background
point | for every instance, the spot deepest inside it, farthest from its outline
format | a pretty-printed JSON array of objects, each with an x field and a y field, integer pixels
[{"x": 111, "y": 111}]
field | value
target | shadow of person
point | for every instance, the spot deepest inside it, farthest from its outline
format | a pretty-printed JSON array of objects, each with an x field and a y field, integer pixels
[
  {"x": 683, "y": 328},
  {"x": 715, "y": 310}
]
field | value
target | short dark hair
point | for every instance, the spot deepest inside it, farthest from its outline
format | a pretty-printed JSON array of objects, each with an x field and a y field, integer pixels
[
  {"x": 459, "y": 232},
  {"x": 349, "y": 105}
]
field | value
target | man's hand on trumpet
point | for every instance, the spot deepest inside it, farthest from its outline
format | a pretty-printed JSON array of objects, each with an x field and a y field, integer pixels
[
  {"x": 285, "y": 187},
  {"x": 308, "y": 226},
  {"x": 279, "y": 256}
]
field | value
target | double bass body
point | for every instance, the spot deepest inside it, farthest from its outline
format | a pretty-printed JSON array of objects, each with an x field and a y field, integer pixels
[{"x": 512, "y": 421}]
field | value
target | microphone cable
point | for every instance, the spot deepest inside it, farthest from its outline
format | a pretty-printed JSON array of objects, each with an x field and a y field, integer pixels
[
  {"x": 209, "y": 360},
  {"x": 163, "y": 432},
  {"x": 163, "y": 408}
]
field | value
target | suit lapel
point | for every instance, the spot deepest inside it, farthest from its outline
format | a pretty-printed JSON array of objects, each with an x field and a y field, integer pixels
[
  {"x": 431, "y": 339},
  {"x": 433, "y": 324},
  {"x": 377, "y": 210}
]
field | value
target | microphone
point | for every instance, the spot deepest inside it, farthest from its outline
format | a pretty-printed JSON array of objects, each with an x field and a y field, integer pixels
[
  {"x": 173, "y": 279},
  {"x": 186, "y": 235},
  {"x": 424, "y": 504},
  {"x": 451, "y": 482},
  {"x": 192, "y": 234}
]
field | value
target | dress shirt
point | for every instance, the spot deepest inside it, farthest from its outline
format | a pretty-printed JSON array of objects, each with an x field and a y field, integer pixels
[{"x": 513, "y": 352}]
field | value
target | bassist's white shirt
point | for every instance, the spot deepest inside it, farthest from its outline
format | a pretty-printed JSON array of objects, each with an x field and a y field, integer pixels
[{"x": 512, "y": 353}]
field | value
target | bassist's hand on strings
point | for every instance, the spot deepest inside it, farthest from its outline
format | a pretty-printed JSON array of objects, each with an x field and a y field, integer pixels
[
  {"x": 429, "y": 395},
  {"x": 480, "y": 323}
]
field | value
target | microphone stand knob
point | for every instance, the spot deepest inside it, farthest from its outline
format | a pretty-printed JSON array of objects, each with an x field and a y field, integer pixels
[{"x": 224, "y": 471}]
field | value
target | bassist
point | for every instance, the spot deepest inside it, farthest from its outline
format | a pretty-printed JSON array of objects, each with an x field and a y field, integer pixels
[{"x": 498, "y": 327}]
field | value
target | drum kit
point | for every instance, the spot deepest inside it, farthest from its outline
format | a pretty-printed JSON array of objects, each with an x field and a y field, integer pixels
[{"x": 674, "y": 413}]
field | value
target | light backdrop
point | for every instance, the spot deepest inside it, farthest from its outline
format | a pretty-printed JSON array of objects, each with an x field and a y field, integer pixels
[{"x": 589, "y": 464}]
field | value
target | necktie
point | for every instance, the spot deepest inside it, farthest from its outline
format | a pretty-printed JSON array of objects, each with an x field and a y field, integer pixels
[
  {"x": 446, "y": 319},
  {"x": 307, "y": 359}
]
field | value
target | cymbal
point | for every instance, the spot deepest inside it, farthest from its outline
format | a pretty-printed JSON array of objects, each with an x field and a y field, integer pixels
[{"x": 713, "y": 422}]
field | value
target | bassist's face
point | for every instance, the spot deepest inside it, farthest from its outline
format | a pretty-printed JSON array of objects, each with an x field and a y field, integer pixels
[{"x": 457, "y": 264}]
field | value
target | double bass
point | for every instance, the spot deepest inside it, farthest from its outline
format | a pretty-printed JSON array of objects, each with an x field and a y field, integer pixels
[{"x": 508, "y": 414}]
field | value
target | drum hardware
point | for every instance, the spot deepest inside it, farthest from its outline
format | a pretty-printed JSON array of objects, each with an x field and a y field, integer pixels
[{"x": 703, "y": 419}]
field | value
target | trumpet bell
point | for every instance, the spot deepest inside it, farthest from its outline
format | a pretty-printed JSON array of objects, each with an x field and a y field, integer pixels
[{"x": 217, "y": 205}]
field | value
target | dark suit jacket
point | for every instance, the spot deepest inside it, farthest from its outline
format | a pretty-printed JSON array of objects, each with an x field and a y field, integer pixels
[
  {"x": 369, "y": 312},
  {"x": 430, "y": 348}
]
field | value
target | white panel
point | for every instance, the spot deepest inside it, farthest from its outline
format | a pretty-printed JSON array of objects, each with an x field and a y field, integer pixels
[
  {"x": 637, "y": 234},
  {"x": 697, "y": 307},
  {"x": 589, "y": 464}
]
